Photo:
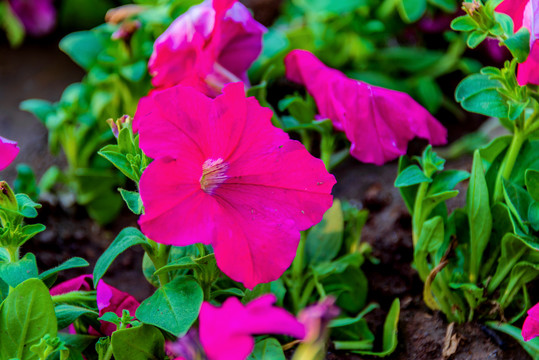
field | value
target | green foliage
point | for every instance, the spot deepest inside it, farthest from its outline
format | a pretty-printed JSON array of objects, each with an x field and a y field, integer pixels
[
  {"x": 173, "y": 307},
  {"x": 126, "y": 238},
  {"x": 138, "y": 343},
  {"x": 268, "y": 349},
  {"x": 26, "y": 316}
]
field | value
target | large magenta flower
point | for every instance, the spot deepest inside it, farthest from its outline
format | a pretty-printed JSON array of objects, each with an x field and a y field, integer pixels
[
  {"x": 226, "y": 333},
  {"x": 212, "y": 44},
  {"x": 378, "y": 122},
  {"x": 224, "y": 175},
  {"x": 525, "y": 13},
  {"x": 109, "y": 299},
  {"x": 37, "y": 16},
  {"x": 530, "y": 328},
  {"x": 8, "y": 152}
]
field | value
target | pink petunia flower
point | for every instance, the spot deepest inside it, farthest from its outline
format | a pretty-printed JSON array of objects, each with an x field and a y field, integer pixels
[
  {"x": 8, "y": 152},
  {"x": 226, "y": 333},
  {"x": 109, "y": 299},
  {"x": 37, "y": 16},
  {"x": 378, "y": 122},
  {"x": 212, "y": 44},
  {"x": 225, "y": 176},
  {"x": 530, "y": 328},
  {"x": 525, "y": 13}
]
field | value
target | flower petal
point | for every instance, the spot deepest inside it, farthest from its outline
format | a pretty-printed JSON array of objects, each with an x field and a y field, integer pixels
[
  {"x": 226, "y": 332},
  {"x": 515, "y": 9},
  {"x": 110, "y": 299},
  {"x": 378, "y": 122},
  {"x": 8, "y": 152},
  {"x": 80, "y": 283},
  {"x": 177, "y": 211}
]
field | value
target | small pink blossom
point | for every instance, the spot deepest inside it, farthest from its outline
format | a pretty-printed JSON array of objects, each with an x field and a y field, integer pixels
[
  {"x": 109, "y": 299},
  {"x": 525, "y": 13},
  {"x": 530, "y": 328},
  {"x": 37, "y": 16},
  {"x": 226, "y": 333},
  {"x": 317, "y": 317},
  {"x": 8, "y": 152},
  {"x": 212, "y": 44},
  {"x": 225, "y": 176},
  {"x": 378, "y": 122}
]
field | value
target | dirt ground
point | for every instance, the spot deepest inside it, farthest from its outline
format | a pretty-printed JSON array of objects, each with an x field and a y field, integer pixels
[{"x": 47, "y": 71}]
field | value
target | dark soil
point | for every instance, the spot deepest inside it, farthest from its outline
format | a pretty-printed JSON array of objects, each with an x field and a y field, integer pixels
[{"x": 40, "y": 70}]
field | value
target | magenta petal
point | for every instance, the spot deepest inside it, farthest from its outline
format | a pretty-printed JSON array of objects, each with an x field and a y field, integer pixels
[
  {"x": 177, "y": 212},
  {"x": 110, "y": 299},
  {"x": 80, "y": 283},
  {"x": 8, "y": 152},
  {"x": 527, "y": 72},
  {"x": 201, "y": 41},
  {"x": 530, "y": 328},
  {"x": 226, "y": 332},
  {"x": 378, "y": 122},
  {"x": 515, "y": 9},
  {"x": 37, "y": 16}
]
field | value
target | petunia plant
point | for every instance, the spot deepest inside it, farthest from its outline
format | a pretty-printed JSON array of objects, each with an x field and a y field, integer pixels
[
  {"x": 114, "y": 56},
  {"x": 477, "y": 260}
]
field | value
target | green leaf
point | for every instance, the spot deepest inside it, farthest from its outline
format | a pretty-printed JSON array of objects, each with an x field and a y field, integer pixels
[
  {"x": 430, "y": 240},
  {"x": 519, "y": 44},
  {"x": 446, "y": 181},
  {"x": 531, "y": 347},
  {"x": 11, "y": 23},
  {"x": 408, "y": 193},
  {"x": 521, "y": 274},
  {"x": 324, "y": 240},
  {"x": 67, "y": 314},
  {"x": 490, "y": 152},
  {"x": 40, "y": 108},
  {"x": 76, "y": 341},
  {"x": 475, "y": 38},
  {"x": 477, "y": 93},
  {"x": 518, "y": 201},
  {"x": 133, "y": 200},
  {"x": 26, "y": 315},
  {"x": 463, "y": 23},
  {"x": 479, "y": 216},
  {"x": 390, "y": 332},
  {"x": 138, "y": 343},
  {"x": 173, "y": 307},
  {"x": 268, "y": 349},
  {"x": 412, "y": 175},
  {"x": 126, "y": 238},
  {"x": 83, "y": 47},
  {"x": 49, "y": 276},
  {"x": 14, "y": 273},
  {"x": 183, "y": 263},
  {"x": 532, "y": 183},
  {"x": 412, "y": 10}
]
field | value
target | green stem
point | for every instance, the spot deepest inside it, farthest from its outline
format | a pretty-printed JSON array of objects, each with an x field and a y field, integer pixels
[
  {"x": 13, "y": 253},
  {"x": 159, "y": 257},
  {"x": 298, "y": 264},
  {"x": 500, "y": 276},
  {"x": 418, "y": 216},
  {"x": 108, "y": 354},
  {"x": 508, "y": 163}
]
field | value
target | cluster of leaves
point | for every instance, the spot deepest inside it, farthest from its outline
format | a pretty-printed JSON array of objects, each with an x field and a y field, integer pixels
[
  {"x": 116, "y": 79},
  {"x": 370, "y": 41},
  {"x": 477, "y": 261}
]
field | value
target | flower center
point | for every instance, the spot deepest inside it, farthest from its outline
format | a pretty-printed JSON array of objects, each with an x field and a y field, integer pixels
[{"x": 213, "y": 175}]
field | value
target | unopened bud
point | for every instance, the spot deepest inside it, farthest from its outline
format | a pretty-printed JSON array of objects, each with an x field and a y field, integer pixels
[
  {"x": 119, "y": 124},
  {"x": 126, "y": 30},
  {"x": 7, "y": 197},
  {"x": 119, "y": 14},
  {"x": 471, "y": 7}
]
